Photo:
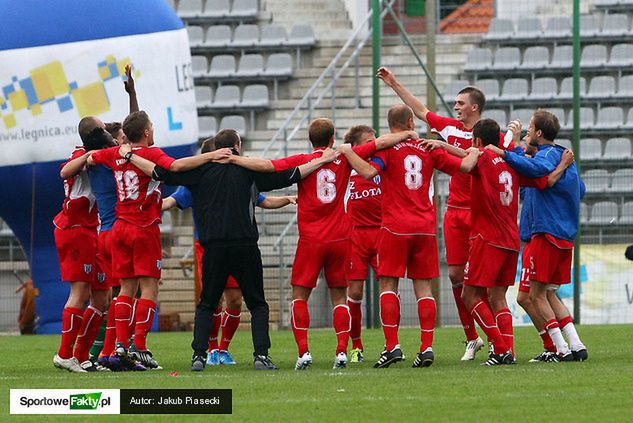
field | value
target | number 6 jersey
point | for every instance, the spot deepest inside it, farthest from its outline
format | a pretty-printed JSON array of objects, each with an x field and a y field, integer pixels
[{"x": 139, "y": 197}]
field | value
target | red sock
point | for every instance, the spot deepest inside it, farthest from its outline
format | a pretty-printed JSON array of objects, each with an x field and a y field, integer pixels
[
  {"x": 548, "y": 344},
  {"x": 71, "y": 322},
  {"x": 565, "y": 321},
  {"x": 145, "y": 310},
  {"x": 123, "y": 314},
  {"x": 390, "y": 318},
  {"x": 342, "y": 322},
  {"x": 300, "y": 322},
  {"x": 110, "y": 335},
  {"x": 230, "y": 323},
  {"x": 468, "y": 323},
  {"x": 504, "y": 323},
  {"x": 88, "y": 332},
  {"x": 355, "y": 310},
  {"x": 216, "y": 322},
  {"x": 483, "y": 315},
  {"x": 427, "y": 313}
]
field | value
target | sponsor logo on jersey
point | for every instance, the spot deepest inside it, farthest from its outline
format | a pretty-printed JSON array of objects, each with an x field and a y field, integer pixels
[
  {"x": 87, "y": 269},
  {"x": 101, "y": 277},
  {"x": 159, "y": 264}
]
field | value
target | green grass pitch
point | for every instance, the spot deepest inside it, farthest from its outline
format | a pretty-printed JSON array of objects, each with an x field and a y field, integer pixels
[{"x": 450, "y": 390}]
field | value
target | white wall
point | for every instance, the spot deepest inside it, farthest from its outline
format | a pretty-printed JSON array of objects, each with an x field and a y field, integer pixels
[{"x": 357, "y": 11}]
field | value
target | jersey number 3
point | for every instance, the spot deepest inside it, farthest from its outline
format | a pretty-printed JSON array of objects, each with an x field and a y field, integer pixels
[
  {"x": 127, "y": 185},
  {"x": 413, "y": 172},
  {"x": 505, "y": 179},
  {"x": 326, "y": 190}
]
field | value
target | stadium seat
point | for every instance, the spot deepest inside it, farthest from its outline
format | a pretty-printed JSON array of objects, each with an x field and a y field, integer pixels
[
  {"x": 610, "y": 117},
  {"x": 226, "y": 96},
  {"x": 203, "y": 96},
  {"x": 216, "y": 9},
  {"x": 514, "y": 89},
  {"x": 618, "y": 149},
  {"x": 625, "y": 86},
  {"x": 455, "y": 86},
  {"x": 584, "y": 213},
  {"x": 544, "y": 89},
  {"x": 594, "y": 55},
  {"x": 244, "y": 8},
  {"x": 590, "y": 149},
  {"x": 189, "y": 8},
  {"x": 626, "y": 217},
  {"x": 222, "y": 66},
  {"x": 524, "y": 115},
  {"x": 500, "y": 29},
  {"x": 559, "y": 112},
  {"x": 497, "y": 115},
  {"x": 507, "y": 58},
  {"x": 236, "y": 122},
  {"x": 218, "y": 36},
  {"x": 529, "y": 28},
  {"x": 587, "y": 118},
  {"x": 615, "y": 25},
  {"x": 255, "y": 96},
  {"x": 536, "y": 57},
  {"x": 589, "y": 25},
  {"x": 603, "y": 213},
  {"x": 622, "y": 181},
  {"x": 558, "y": 27},
  {"x": 199, "y": 66},
  {"x": 596, "y": 180},
  {"x": 250, "y": 65},
  {"x": 562, "y": 58},
  {"x": 278, "y": 64},
  {"x": 621, "y": 55},
  {"x": 195, "y": 34},
  {"x": 567, "y": 88},
  {"x": 601, "y": 87},
  {"x": 565, "y": 143},
  {"x": 273, "y": 35},
  {"x": 302, "y": 36},
  {"x": 490, "y": 88},
  {"x": 245, "y": 36},
  {"x": 629, "y": 118},
  {"x": 478, "y": 59},
  {"x": 207, "y": 126}
]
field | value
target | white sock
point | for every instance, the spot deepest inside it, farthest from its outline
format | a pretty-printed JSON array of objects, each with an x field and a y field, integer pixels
[
  {"x": 559, "y": 341},
  {"x": 572, "y": 336}
]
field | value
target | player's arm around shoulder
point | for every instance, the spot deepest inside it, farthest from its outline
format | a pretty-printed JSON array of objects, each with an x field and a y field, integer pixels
[
  {"x": 389, "y": 140},
  {"x": 469, "y": 162},
  {"x": 328, "y": 156},
  {"x": 74, "y": 166},
  {"x": 359, "y": 164},
  {"x": 188, "y": 163}
]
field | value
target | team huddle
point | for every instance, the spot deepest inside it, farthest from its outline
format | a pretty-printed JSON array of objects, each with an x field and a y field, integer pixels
[{"x": 369, "y": 202}]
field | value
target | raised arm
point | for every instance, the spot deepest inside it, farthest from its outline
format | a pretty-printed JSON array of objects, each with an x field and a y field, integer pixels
[
  {"x": 360, "y": 165},
  {"x": 389, "y": 140},
  {"x": 130, "y": 89},
  {"x": 419, "y": 109},
  {"x": 277, "y": 202},
  {"x": 74, "y": 166}
]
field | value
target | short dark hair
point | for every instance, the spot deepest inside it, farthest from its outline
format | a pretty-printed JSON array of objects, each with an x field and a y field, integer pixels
[
  {"x": 398, "y": 116},
  {"x": 113, "y": 128},
  {"x": 85, "y": 127},
  {"x": 135, "y": 124},
  {"x": 97, "y": 139},
  {"x": 320, "y": 132},
  {"x": 226, "y": 138},
  {"x": 476, "y": 96},
  {"x": 352, "y": 136},
  {"x": 547, "y": 123},
  {"x": 208, "y": 145},
  {"x": 487, "y": 130}
]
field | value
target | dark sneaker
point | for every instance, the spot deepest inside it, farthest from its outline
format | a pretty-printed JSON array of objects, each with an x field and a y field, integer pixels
[
  {"x": 198, "y": 362},
  {"x": 144, "y": 357},
  {"x": 424, "y": 359},
  {"x": 263, "y": 362},
  {"x": 387, "y": 358},
  {"x": 580, "y": 355},
  {"x": 126, "y": 361},
  {"x": 567, "y": 357},
  {"x": 499, "y": 359},
  {"x": 89, "y": 366},
  {"x": 542, "y": 357}
]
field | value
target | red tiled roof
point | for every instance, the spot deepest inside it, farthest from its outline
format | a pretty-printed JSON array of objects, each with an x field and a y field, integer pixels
[{"x": 473, "y": 16}]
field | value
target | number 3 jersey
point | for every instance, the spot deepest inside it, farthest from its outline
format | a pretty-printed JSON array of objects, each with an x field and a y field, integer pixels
[
  {"x": 138, "y": 196},
  {"x": 321, "y": 197},
  {"x": 407, "y": 183}
]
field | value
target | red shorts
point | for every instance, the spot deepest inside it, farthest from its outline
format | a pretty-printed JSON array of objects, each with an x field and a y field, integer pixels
[
  {"x": 104, "y": 261},
  {"x": 490, "y": 266},
  {"x": 199, "y": 252},
  {"x": 364, "y": 252},
  {"x": 413, "y": 255},
  {"x": 312, "y": 256},
  {"x": 456, "y": 235},
  {"x": 136, "y": 251},
  {"x": 548, "y": 262},
  {"x": 524, "y": 279},
  {"x": 76, "y": 249}
]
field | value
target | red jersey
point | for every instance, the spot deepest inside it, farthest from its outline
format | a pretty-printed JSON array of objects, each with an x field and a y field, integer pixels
[
  {"x": 321, "y": 207},
  {"x": 78, "y": 208},
  {"x": 138, "y": 195},
  {"x": 407, "y": 180},
  {"x": 364, "y": 201}
]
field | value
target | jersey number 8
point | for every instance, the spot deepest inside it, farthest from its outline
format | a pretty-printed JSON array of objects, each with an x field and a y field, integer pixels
[{"x": 413, "y": 172}]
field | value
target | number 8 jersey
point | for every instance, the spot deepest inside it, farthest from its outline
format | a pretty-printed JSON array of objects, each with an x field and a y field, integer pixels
[
  {"x": 407, "y": 183},
  {"x": 139, "y": 197}
]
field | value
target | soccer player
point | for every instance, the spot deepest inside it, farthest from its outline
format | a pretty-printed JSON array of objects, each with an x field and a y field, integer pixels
[
  {"x": 136, "y": 248},
  {"x": 554, "y": 227},
  {"x": 363, "y": 203},
  {"x": 468, "y": 107},
  {"x": 407, "y": 240}
]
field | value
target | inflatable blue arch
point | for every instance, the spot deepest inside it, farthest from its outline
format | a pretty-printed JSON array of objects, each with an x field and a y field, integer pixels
[{"x": 62, "y": 60}]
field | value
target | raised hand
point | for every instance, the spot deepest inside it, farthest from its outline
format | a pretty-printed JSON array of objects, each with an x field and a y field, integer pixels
[
  {"x": 386, "y": 76},
  {"x": 129, "y": 82},
  {"x": 124, "y": 149}
]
